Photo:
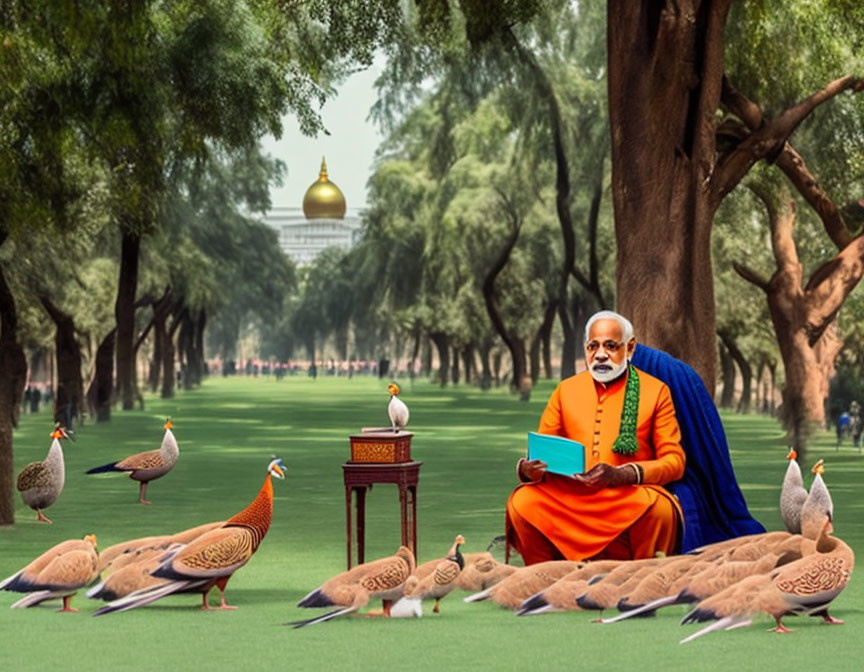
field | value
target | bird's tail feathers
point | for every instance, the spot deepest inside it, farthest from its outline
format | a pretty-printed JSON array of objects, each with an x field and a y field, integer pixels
[
  {"x": 725, "y": 623},
  {"x": 95, "y": 592},
  {"x": 105, "y": 468},
  {"x": 648, "y": 606},
  {"x": 478, "y": 597},
  {"x": 532, "y": 605},
  {"x": 145, "y": 596},
  {"x": 407, "y": 607},
  {"x": 321, "y": 619},
  {"x": 9, "y": 580},
  {"x": 317, "y": 598},
  {"x": 32, "y": 599}
]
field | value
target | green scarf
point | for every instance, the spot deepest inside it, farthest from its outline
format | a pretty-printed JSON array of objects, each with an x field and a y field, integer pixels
[{"x": 626, "y": 443}]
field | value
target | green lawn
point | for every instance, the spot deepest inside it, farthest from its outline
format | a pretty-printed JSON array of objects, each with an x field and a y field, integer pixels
[{"x": 468, "y": 442}]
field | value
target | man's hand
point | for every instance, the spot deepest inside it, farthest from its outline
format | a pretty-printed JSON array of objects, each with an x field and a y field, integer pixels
[
  {"x": 604, "y": 475},
  {"x": 531, "y": 471}
]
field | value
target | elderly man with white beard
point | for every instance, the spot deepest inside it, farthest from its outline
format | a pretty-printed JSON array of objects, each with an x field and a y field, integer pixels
[{"x": 618, "y": 508}]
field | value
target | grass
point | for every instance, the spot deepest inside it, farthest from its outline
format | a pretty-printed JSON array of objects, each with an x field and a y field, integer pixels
[{"x": 468, "y": 442}]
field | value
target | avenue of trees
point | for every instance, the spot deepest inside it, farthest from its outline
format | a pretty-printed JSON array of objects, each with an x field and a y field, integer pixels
[{"x": 695, "y": 165}]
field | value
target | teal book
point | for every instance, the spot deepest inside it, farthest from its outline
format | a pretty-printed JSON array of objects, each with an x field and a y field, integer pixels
[{"x": 562, "y": 456}]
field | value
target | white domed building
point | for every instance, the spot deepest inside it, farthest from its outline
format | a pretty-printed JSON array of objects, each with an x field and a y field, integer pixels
[{"x": 324, "y": 221}]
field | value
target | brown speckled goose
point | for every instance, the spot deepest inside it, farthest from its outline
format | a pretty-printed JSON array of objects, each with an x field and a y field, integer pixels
[
  {"x": 40, "y": 483},
  {"x": 59, "y": 572},
  {"x": 482, "y": 571},
  {"x": 807, "y": 585},
  {"x": 561, "y": 595},
  {"x": 211, "y": 559},
  {"x": 352, "y": 590},
  {"x": 131, "y": 568},
  {"x": 525, "y": 582},
  {"x": 432, "y": 580},
  {"x": 147, "y": 466}
]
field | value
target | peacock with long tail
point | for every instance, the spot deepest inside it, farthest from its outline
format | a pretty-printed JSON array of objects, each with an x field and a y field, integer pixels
[
  {"x": 211, "y": 559},
  {"x": 147, "y": 466},
  {"x": 40, "y": 483},
  {"x": 396, "y": 409},
  {"x": 351, "y": 590},
  {"x": 59, "y": 572}
]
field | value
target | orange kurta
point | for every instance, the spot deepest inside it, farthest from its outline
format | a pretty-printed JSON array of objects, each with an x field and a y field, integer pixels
[{"x": 581, "y": 522}]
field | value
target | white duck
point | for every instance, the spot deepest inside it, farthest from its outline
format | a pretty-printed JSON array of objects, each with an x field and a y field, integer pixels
[
  {"x": 397, "y": 410},
  {"x": 793, "y": 495}
]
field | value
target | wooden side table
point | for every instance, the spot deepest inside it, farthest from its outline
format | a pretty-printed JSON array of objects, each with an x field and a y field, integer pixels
[{"x": 359, "y": 477}]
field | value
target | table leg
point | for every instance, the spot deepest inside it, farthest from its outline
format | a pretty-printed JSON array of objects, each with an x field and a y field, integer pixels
[
  {"x": 361, "y": 525},
  {"x": 403, "y": 514},
  {"x": 348, "y": 491},
  {"x": 413, "y": 491}
]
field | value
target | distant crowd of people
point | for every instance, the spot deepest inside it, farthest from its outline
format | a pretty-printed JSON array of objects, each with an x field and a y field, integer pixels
[
  {"x": 849, "y": 425},
  {"x": 36, "y": 394},
  {"x": 331, "y": 367}
]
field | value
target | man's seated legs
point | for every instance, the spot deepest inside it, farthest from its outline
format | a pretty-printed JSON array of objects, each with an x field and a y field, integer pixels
[{"x": 656, "y": 530}]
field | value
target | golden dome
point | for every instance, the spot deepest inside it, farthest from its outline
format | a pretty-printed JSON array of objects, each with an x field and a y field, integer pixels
[{"x": 323, "y": 199}]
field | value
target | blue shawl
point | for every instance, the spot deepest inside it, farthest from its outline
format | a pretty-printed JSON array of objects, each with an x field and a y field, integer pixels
[{"x": 714, "y": 508}]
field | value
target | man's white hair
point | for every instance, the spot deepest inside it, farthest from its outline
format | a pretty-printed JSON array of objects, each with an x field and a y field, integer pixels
[{"x": 626, "y": 326}]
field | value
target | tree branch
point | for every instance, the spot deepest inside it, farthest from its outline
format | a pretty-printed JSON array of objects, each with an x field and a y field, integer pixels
[
  {"x": 792, "y": 164},
  {"x": 751, "y": 276},
  {"x": 769, "y": 137}
]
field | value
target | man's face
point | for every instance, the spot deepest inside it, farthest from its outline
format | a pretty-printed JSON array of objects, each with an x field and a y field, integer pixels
[{"x": 605, "y": 352}]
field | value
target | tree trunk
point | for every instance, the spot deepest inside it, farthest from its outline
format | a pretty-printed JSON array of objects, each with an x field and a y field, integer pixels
[
  {"x": 546, "y": 94},
  {"x": 124, "y": 312},
  {"x": 442, "y": 344},
  {"x": 546, "y": 339},
  {"x": 727, "y": 367},
  {"x": 743, "y": 366},
  {"x": 426, "y": 371},
  {"x": 13, "y": 376},
  {"x": 69, "y": 395},
  {"x": 168, "y": 375},
  {"x": 200, "y": 362},
  {"x": 454, "y": 366},
  {"x": 521, "y": 380},
  {"x": 102, "y": 386},
  {"x": 468, "y": 364},
  {"x": 534, "y": 358},
  {"x": 804, "y": 318},
  {"x": 496, "y": 367},
  {"x": 415, "y": 350},
  {"x": 486, "y": 373}
]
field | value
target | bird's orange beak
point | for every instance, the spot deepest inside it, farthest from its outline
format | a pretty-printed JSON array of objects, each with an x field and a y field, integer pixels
[
  {"x": 792, "y": 454},
  {"x": 819, "y": 467},
  {"x": 168, "y": 424}
]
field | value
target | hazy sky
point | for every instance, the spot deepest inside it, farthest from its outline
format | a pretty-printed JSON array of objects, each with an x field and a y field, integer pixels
[{"x": 349, "y": 148}]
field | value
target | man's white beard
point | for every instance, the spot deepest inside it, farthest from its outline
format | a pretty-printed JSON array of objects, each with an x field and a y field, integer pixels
[{"x": 611, "y": 374}]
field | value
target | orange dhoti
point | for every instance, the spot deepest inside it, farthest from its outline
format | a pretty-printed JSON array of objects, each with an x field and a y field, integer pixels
[{"x": 561, "y": 519}]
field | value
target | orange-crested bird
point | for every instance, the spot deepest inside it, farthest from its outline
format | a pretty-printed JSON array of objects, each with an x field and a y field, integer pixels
[
  {"x": 147, "y": 466},
  {"x": 40, "y": 483},
  {"x": 792, "y": 495},
  {"x": 59, "y": 572},
  {"x": 352, "y": 590},
  {"x": 211, "y": 559},
  {"x": 396, "y": 409}
]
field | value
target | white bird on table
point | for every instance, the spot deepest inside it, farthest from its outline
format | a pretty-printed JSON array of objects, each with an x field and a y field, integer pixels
[{"x": 397, "y": 410}]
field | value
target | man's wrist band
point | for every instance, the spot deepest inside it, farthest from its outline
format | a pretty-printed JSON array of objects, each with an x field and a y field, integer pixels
[{"x": 639, "y": 473}]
